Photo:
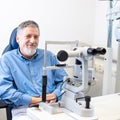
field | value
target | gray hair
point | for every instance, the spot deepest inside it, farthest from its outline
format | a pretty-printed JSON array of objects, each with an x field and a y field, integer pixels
[{"x": 29, "y": 23}]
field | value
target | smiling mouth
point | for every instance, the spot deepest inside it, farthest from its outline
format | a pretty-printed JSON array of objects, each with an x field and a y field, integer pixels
[{"x": 31, "y": 47}]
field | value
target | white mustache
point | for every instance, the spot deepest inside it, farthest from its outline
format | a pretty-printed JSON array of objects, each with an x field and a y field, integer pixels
[{"x": 32, "y": 44}]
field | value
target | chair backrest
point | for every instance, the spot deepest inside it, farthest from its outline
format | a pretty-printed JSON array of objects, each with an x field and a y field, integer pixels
[{"x": 12, "y": 42}]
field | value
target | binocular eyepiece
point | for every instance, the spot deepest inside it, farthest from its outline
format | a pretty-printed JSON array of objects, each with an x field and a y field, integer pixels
[{"x": 95, "y": 51}]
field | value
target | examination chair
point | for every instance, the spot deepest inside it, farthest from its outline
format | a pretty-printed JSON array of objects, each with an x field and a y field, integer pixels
[
  {"x": 12, "y": 42},
  {"x": 12, "y": 45}
]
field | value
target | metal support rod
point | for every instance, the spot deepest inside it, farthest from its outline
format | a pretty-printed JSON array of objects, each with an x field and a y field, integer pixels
[
  {"x": 44, "y": 86},
  {"x": 110, "y": 24},
  {"x": 108, "y": 87}
]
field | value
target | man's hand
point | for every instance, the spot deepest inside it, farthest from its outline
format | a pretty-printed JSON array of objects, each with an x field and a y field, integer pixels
[
  {"x": 35, "y": 101},
  {"x": 51, "y": 98}
]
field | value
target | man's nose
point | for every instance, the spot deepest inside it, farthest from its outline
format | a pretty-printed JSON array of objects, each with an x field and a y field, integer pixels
[{"x": 32, "y": 39}]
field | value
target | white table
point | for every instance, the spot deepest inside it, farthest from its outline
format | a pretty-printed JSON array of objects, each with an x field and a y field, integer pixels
[{"x": 106, "y": 108}]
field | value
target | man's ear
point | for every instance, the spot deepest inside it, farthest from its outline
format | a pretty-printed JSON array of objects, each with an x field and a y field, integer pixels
[{"x": 17, "y": 39}]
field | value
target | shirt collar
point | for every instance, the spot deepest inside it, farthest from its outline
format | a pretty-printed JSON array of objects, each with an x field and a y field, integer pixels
[{"x": 35, "y": 55}]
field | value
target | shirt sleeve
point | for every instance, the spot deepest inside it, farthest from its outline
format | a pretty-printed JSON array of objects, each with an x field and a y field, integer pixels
[{"x": 8, "y": 91}]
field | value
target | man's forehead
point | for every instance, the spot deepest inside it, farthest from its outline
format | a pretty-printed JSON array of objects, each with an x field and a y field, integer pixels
[{"x": 30, "y": 30}]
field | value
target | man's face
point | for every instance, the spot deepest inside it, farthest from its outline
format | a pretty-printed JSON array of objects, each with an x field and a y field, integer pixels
[{"x": 28, "y": 41}]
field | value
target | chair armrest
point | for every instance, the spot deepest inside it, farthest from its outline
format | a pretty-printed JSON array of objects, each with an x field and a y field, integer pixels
[{"x": 3, "y": 105}]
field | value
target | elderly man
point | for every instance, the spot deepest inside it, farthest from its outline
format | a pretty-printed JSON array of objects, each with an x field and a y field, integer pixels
[{"x": 21, "y": 72}]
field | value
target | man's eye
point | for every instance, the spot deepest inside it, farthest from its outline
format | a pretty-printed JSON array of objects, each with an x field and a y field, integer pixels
[
  {"x": 36, "y": 36},
  {"x": 28, "y": 36}
]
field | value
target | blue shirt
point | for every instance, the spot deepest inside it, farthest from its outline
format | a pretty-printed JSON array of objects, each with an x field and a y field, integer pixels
[{"x": 20, "y": 78}]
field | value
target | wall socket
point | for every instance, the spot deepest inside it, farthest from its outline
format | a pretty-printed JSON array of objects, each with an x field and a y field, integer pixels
[{"x": 99, "y": 67}]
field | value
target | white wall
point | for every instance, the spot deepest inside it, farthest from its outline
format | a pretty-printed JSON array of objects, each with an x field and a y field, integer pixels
[{"x": 58, "y": 19}]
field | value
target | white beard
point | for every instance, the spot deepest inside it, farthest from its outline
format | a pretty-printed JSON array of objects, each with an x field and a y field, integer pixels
[{"x": 29, "y": 52}]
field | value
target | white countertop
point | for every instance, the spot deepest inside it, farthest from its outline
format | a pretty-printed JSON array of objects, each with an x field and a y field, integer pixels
[{"x": 106, "y": 108}]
